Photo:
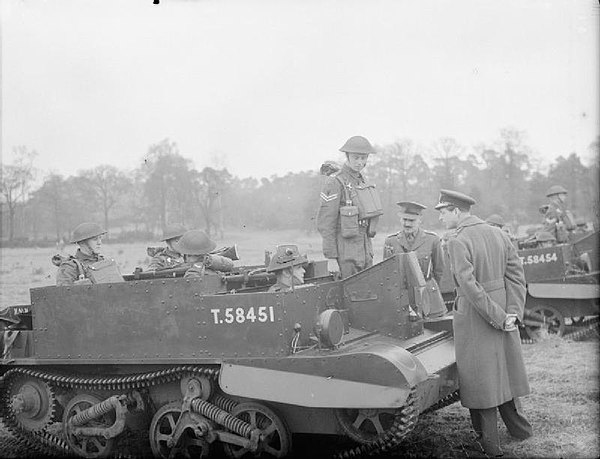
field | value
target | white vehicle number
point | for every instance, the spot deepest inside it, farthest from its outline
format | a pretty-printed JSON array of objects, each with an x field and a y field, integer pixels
[
  {"x": 543, "y": 258},
  {"x": 240, "y": 315}
]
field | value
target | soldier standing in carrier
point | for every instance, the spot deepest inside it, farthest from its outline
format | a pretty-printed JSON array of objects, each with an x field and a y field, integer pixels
[
  {"x": 167, "y": 257},
  {"x": 490, "y": 287},
  {"x": 347, "y": 234},
  {"x": 558, "y": 218},
  {"x": 412, "y": 238},
  {"x": 88, "y": 236}
]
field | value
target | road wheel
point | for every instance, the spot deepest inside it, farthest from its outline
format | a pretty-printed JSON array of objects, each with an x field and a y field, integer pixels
[{"x": 547, "y": 321}]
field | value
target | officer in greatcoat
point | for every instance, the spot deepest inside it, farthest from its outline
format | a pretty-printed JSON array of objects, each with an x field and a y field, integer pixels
[
  {"x": 74, "y": 269},
  {"x": 490, "y": 287},
  {"x": 412, "y": 238},
  {"x": 353, "y": 250},
  {"x": 167, "y": 257}
]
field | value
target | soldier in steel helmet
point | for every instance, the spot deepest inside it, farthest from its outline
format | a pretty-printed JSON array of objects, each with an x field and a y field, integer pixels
[
  {"x": 167, "y": 257},
  {"x": 88, "y": 236},
  {"x": 558, "y": 219},
  {"x": 412, "y": 238},
  {"x": 490, "y": 298},
  {"x": 346, "y": 236},
  {"x": 195, "y": 245},
  {"x": 544, "y": 239},
  {"x": 289, "y": 265}
]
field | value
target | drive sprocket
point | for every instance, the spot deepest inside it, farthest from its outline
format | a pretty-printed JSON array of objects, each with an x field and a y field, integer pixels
[{"x": 32, "y": 402}]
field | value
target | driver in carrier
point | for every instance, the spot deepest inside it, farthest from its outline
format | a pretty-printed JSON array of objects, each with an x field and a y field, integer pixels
[{"x": 289, "y": 266}]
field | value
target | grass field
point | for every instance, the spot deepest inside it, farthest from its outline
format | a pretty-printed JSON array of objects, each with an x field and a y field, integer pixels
[{"x": 563, "y": 406}]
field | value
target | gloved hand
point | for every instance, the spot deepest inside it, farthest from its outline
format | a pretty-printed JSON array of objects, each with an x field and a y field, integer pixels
[{"x": 510, "y": 323}]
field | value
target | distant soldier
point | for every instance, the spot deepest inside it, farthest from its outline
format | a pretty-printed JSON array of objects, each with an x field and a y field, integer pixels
[
  {"x": 289, "y": 266},
  {"x": 195, "y": 245},
  {"x": 490, "y": 298},
  {"x": 412, "y": 238},
  {"x": 167, "y": 257},
  {"x": 348, "y": 211},
  {"x": 76, "y": 268},
  {"x": 558, "y": 219}
]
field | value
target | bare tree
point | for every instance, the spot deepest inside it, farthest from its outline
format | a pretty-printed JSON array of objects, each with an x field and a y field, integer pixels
[{"x": 16, "y": 181}]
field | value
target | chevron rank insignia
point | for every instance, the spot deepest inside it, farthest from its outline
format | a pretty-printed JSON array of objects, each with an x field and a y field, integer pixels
[{"x": 328, "y": 198}]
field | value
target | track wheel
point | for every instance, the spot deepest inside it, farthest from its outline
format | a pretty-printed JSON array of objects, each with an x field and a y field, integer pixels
[
  {"x": 551, "y": 322},
  {"x": 276, "y": 440},
  {"x": 85, "y": 446},
  {"x": 366, "y": 425},
  {"x": 33, "y": 403},
  {"x": 162, "y": 429}
]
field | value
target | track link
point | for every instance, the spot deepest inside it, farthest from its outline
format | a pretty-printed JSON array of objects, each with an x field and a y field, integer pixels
[
  {"x": 576, "y": 332},
  {"x": 49, "y": 444}
]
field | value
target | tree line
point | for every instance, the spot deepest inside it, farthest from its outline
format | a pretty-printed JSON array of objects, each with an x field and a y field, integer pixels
[{"x": 166, "y": 188}]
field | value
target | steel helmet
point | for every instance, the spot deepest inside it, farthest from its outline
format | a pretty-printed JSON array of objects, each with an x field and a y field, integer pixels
[
  {"x": 555, "y": 189},
  {"x": 358, "y": 144},
  {"x": 286, "y": 256},
  {"x": 86, "y": 231},
  {"x": 195, "y": 242},
  {"x": 173, "y": 231},
  {"x": 495, "y": 220}
]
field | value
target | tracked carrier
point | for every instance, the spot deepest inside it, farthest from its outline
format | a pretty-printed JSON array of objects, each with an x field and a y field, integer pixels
[{"x": 218, "y": 365}]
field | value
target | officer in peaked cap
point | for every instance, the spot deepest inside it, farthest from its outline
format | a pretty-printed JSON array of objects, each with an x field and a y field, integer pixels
[
  {"x": 558, "y": 219},
  {"x": 195, "y": 245},
  {"x": 354, "y": 252},
  {"x": 167, "y": 257},
  {"x": 288, "y": 264},
  {"x": 88, "y": 237},
  {"x": 412, "y": 238},
  {"x": 490, "y": 288}
]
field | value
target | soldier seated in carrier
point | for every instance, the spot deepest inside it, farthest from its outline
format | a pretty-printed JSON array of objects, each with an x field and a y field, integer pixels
[
  {"x": 167, "y": 257},
  {"x": 195, "y": 246},
  {"x": 545, "y": 239},
  {"x": 87, "y": 266},
  {"x": 289, "y": 266}
]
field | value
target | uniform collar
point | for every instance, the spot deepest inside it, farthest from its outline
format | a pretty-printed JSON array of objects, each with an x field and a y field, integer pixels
[
  {"x": 84, "y": 257},
  {"x": 414, "y": 243},
  {"x": 351, "y": 172},
  {"x": 469, "y": 220}
]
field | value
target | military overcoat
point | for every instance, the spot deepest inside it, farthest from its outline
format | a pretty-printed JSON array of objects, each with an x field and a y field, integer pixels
[
  {"x": 490, "y": 283},
  {"x": 355, "y": 253},
  {"x": 164, "y": 258},
  {"x": 426, "y": 245},
  {"x": 69, "y": 271}
]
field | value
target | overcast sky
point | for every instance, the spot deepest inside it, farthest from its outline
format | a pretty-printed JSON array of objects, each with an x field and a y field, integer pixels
[{"x": 266, "y": 87}]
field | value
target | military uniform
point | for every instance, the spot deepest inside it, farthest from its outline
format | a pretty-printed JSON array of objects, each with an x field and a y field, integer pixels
[
  {"x": 164, "y": 258},
  {"x": 427, "y": 246},
  {"x": 355, "y": 253},
  {"x": 558, "y": 219},
  {"x": 490, "y": 285},
  {"x": 198, "y": 270},
  {"x": 69, "y": 270}
]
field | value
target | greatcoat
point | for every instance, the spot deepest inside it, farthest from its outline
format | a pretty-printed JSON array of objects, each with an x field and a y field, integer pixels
[
  {"x": 426, "y": 245},
  {"x": 490, "y": 283},
  {"x": 355, "y": 253}
]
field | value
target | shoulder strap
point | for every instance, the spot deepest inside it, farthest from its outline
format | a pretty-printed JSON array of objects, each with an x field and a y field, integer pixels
[
  {"x": 80, "y": 268},
  {"x": 344, "y": 188}
]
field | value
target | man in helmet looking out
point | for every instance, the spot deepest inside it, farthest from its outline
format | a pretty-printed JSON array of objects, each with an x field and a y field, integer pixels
[
  {"x": 167, "y": 257},
  {"x": 88, "y": 236},
  {"x": 346, "y": 221},
  {"x": 289, "y": 266},
  {"x": 195, "y": 246}
]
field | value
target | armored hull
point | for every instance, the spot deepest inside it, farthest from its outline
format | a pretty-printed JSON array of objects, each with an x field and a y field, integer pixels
[{"x": 192, "y": 366}]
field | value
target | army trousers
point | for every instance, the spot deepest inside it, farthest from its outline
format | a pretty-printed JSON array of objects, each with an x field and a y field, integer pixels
[
  {"x": 485, "y": 424},
  {"x": 350, "y": 267}
]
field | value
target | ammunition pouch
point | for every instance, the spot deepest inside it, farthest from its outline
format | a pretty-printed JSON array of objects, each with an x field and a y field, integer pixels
[
  {"x": 104, "y": 271},
  {"x": 349, "y": 221},
  {"x": 368, "y": 201}
]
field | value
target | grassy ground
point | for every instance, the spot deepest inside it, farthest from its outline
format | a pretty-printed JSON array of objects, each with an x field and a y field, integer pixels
[{"x": 563, "y": 406}]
